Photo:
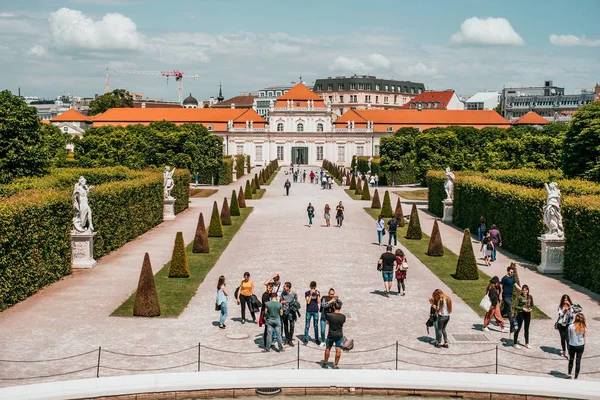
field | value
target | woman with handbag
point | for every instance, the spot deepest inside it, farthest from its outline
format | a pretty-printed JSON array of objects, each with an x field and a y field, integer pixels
[
  {"x": 244, "y": 294},
  {"x": 443, "y": 309},
  {"x": 524, "y": 307},
  {"x": 221, "y": 302},
  {"x": 380, "y": 226},
  {"x": 401, "y": 271},
  {"x": 565, "y": 316},
  {"x": 493, "y": 292},
  {"x": 327, "y": 215}
]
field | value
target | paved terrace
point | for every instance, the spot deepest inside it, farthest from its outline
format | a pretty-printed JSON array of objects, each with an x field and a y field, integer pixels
[{"x": 73, "y": 315}]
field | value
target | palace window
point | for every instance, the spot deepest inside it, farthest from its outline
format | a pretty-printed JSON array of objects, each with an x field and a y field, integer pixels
[
  {"x": 353, "y": 98},
  {"x": 319, "y": 127},
  {"x": 259, "y": 153},
  {"x": 280, "y": 153},
  {"x": 376, "y": 150},
  {"x": 361, "y": 86},
  {"x": 270, "y": 93},
  {"x": 340, "y": 86},
  {"x": 341, "y": 99},
  {"x": 367, "y": 86},
  {"x": 341, "y": 156},
  {"x": 319, "y": 153},
  {"x": 331, "y": 99},
  {"x": 319, "y": 87},
  {"x": 387, "y": 88},
  {"x": 393, "y": 88},
  {"x": 360, "y": 151},
  {"x": 300, "y": 127},
  {"x": 377, "y": 86},
  {"x": 210, "y": 128},
  {"x": 368, "y": 98},
  {"x": 377, "y": 99},
  {"x": 385, "y": 100},
  {"x": 412, "y": 90},
  {"x": 240, "y": 149},
  {"x": 390, "y": 128},
  {"x": 280, "y": 127},
  {"x": 278, "y": 93},
  {"x": 420, "y": 91},
  {"x": 395, "y": 99},
  {"x": 353, "y": 86},
  {"x": 330, "y": 86}
]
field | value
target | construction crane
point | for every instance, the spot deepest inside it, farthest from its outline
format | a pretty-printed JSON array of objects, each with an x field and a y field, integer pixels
[{"x": 177, "y": 74}]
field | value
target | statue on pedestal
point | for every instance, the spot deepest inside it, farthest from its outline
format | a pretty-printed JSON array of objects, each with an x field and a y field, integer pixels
[
  {"x": 168, "y": 182},
  {"x": 552, "y": 215},
  {"x": 449, "y": 184},
  {"x": 82, "y": 213}
]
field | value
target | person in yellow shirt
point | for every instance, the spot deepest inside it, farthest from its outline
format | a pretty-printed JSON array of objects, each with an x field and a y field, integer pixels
[{"x": 244, "y": 294}]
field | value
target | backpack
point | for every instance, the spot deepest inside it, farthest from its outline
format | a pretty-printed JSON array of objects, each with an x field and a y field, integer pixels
[
  {"x": 347, "y": 344},
  {"x": 577, "y": 309}
]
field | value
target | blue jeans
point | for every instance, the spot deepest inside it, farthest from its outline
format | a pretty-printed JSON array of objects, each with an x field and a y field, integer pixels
[
  {"x": 323, "y": 325},
  {"x": 379, "y": 236},
  {"x": 310, "y": 217},
  {"x": 494, "y": 253},
  {"x": 392, "y": 234},
  {"x": 274, "y": 326},
  {"x": 480, "y": 234},
  {"x": 315, "y": 316},
  {"x": 223, "y": 313}
]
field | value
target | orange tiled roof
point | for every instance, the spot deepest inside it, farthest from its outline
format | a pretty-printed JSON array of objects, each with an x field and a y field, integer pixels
[
  {"x": 300, "y": 92},
  {"x": 45, "y": 121},
  {"x": 177, "y": 115},
  {"x": 424, "y": 117},
  {"x": 71, "y": 116},
  {"x": 239, "y": 101},
  {"x": 531, "y": 118},
  {"x": 443, "y": 98}
]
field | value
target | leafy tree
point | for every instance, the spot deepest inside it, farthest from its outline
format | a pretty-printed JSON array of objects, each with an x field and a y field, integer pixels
[
  {"x": 225, "y": 215},
  {"x": 386, "y": 210},
  {"x": 466, "y": 267},
  {"x": 436, "y": 248},
  {"x": 397, "y": 154},
  {"x": 414, "y": 225},
  {"x": 581, "y": 154},
  {"x": 179, "y": 267},
  {"x": 234, "y": 209},
  {"x": 498, "y": 108},
  {"x": 118, "y": 98},
  {"x": 201, "y": 237},
  {"x": 146, "y": 302}
]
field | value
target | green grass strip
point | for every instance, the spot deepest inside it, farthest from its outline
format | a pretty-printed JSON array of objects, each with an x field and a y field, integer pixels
[
  {"x": 350, "y": 193},
  {"x": 444, "y": 267},
  {"x": 174, "y": 294},
  {"x": 268, "y": 182},
  {"x": 259, "y": 194}
]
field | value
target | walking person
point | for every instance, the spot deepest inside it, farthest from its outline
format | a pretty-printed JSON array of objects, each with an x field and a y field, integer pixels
[
  {"x": 392, "y": 229},
  {"x": 493, "y": 292},
  {"x": 372, "y": 181},
  {"x": 326, "y": 308},
  {"x": 330, "y": 182},
  {"x": 577, "y": 336},
  {"x": 433, "y": 318},
  {"x": 401, "y": 271},
  {"x": 508, "y": 284},
  {"x": 339, "y": 214},
  {"x": 335, "y": 335},
  {"x": 323, "y": 181},
  {"x": 565, "y": 317},
  {"x": 376, "y": 180},
  {"x": 487, "y": 247},
  {"x": 443, "y": 309},
  {"x": 380, "y": 226},
  {"x": 311, "y": 213},
  {"x": 221, "y": 301},
  {"x": 482, "y": 229},
  {"x": 327, "y": 215},
  {"x": 287, "y": 185},
  {"x": 312, "y": 176},
  {"x": 313, "y": 299},
  {"x": 273, "y": 313},
  {"x": 496, "y": 240},
  {"x": 245, "y": 293},
  {"x": 387, "y": 266},
  {"x": 266, "y": 297},
  {"x": 524, "y": 307},
  {"x": 288, "y": 316},
  {"x": 304, "y": 177},
  {"x": 344, "y": 180}
]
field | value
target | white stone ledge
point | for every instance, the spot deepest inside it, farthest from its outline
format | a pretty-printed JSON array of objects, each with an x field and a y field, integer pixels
[{"x": 372, "y": 379}]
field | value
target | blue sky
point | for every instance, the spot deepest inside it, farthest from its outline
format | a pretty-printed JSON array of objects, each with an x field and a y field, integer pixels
[{"x": 50, "y": 47}]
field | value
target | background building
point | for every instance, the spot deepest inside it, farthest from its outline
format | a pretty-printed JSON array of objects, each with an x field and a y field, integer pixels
[
  {"x": 267, "y": 96},
  {"x": 483, "y": 101},
  {"x": 435, "y": 100},
  {"x": 364, "y": 91}
]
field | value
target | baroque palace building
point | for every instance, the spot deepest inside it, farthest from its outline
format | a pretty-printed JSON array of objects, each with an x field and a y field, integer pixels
[{"x": 301, "y": 126}]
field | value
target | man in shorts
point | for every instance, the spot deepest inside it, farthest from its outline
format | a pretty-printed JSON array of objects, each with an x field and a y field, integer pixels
[
  {"x": 388, "y": 264},
  {"x": 336, "y": 321}
]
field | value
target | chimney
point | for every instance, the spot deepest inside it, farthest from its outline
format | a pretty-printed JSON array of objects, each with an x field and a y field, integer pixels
[{"x": 232, "y": 105}]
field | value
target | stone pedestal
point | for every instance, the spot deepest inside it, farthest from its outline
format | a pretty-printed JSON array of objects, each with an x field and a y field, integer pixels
[
  {"x": 234, "y": 179},
  {"x": 553, "y": 254},
  {"x": 82, "y": 250},
  {"x": 448, "y": 210},
  {"x": 169, "y": 210}
]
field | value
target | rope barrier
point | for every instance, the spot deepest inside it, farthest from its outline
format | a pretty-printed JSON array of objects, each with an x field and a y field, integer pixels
[
  {"x": 47, "y": 376},
  {"x": 229, "y": 351},
  {"x": 543, "y": 358},
  {"x": 354, "y": 351},
  {"x": 248, "y": 367},
  {"x": 451, "y": 367},
  {"x": 150, "y": 355},
  {"x": 447, "y": 354},
  {"x": 148, "y": 369},
  {"x": 50, "y": 359},
  {"x": 351, "y": 364}
]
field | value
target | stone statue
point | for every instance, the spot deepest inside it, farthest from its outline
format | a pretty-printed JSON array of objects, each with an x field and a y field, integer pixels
[
  {"x": 449, "y": 184},
  {"x": 552, "y": 215},
  {"x": 82, "y": 214},
  {"x": 234, "y": 163},
  {"x": 370, "y": 161},
  {"x": 168, "y": 182}
]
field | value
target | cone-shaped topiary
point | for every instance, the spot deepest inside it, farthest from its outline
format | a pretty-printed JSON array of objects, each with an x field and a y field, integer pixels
[
  {"x": 201, "y": 238},
  {"x": 414, "y": 226},
  {"x": 348, "y": 178},
  {"x": 386, "y": 210},
  {"x": 146, "y": 299},
  {"x": 256, "y": 182},
  {"x": 436, "y": 248},
  {"x": 366, "y": 195},
  {"x": 466, "y": 267},
  {"x": 215, "y": 229},
  {"x": 248, "y": 191},
  {"x": 179, "y": 267},
  {"x": 358, "y": 191},
  {"x": 241, "y": 198},
  {"x": 261, "y": 179},
  {"x": 399, "y": 214},
  {"x": 234, "y": 209},
  {"x": 253, "y": 186},
  {"x": 352, "y": 183},
  {"x": 376, "y": 203},
  {"x": 225, "y": 215}
]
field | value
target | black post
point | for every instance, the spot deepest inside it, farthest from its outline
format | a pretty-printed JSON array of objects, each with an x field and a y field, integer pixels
[
  {"x": 198, "y": 356},
  {"x": 98, "y": 367},
  {"x": 396, "y": 355},
  {"x": 298, "y": 357},
  {"x": 496, "y": 359}
]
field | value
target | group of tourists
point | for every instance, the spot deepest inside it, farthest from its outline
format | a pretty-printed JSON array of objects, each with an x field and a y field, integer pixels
[
  {"x": 339, "y": 214},
  {"x": 392, "y": 228},
  {"x": 279, "y": 309},
  {"x": 490, "y": 241},
  {"x": 393, "y": 265},
  {"x": 322, "y": 178}
]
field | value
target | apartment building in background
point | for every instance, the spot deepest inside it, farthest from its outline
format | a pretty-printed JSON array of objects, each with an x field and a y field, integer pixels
[{"x": 435, "y": 100}]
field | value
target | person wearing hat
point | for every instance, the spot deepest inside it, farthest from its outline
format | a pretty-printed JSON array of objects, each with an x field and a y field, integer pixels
[{"x": 493, "y": 292}]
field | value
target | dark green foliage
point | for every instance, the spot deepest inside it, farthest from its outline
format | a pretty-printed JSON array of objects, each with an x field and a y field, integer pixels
[
  {"x": 256, "y": 183},
  {"x": 399, "y": 213},
  {"x": 248, "y": 191},
  {"x": 118, "y": 98},
  {"x": 242, "y": 198},
  {"x": 386, "y": 210},
  {"x": 436, "y": 248},
  {"x": 253, "y": 186},
  {"x": 376, "y": 203},
  {"x": 436, "y": 192},
  {"x": 413, "y": 231},
  {"x": 248, "y": 165},
  {"x": 146, "y": 299},
  {"x": 215, "y": 229},
  {"x": 179, "y": 267},
  {"x": 234, "y": 209},
  {"x": 349, "y": 179},
  {"x": 225, "y": 171},
  {"x": 201, "y": 237},
  {"x": 353, "y": 183},
  {"x": 362, "y": 164},
  {"x": 225, "y": 215},
  {"x": 466, "y": 267},
  {"x": 366, "y": 195},
  {"x": 581, "y": 156},
  {"x": 239, "y": 167},
  {"x": 261, "y": 180},
  {"x": 358, "y": 191}
]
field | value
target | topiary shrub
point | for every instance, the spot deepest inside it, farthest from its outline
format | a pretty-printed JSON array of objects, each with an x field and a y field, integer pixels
[
  {"x": 366, "y": 195},
  {"x": 466, "y": 267},
  {"x": 215, "y": 229},
  {"x": 261, "y": 177},
  {"x": 253, "y": 186},
  {"x": 146, "y": 299},
  {"x": 241, "y": 198},
  {"x": 414, "y": 226},
  {"x": 376, "y": 203},
  {"x": 179, "y": 267},
  {"x": 248, "y": 191},
  {"x": 200, "y": 238},
  {"x": 256, "y": 182},
  {"x": 358, "y": 191},
  {"x": 225, "y": 215},
  {"x": 352, "y": 183},
  {"x": 399, "y": 214},
  {"x": 386, "y": 210},
  {"x": 348, "y": 178},
  {"x": 436, "y": 248},
  {"x": 234, "y": 209}
]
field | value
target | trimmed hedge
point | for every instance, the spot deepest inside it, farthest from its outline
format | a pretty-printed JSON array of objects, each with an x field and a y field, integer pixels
[
  {"x": 239, "y": 166},
  {"x": 414, "y": 232},
  {"x": 179, "y": 267},
  {"x": 226, "y": 171},
  {"x": 386, "y": 209},
  {"x": 234, "y": 209}
]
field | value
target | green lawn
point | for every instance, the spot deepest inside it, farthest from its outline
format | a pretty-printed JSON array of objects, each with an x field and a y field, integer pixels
[
  {"x": 444, "y": 267},
  {"x": 420, "y": 194},
  {"x": 354, "y": 196},
  {"x": 259, "y": 194},
  {"x": 174, "y": 294},
  {"x": 268, "y": 182}
]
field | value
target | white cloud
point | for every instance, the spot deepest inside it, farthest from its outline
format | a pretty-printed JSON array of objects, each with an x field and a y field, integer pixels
[
  {"x": 491, "y": 31},
  {"x": 7, "y": 15},
  {"x": 72, "y": 29},
  {"x": 347, "y": 64},
  {"x": 379, "y": 61},
  {"x": 572, "y": 40},
  {"x": 38, "y": 51},
  {"x": 285, "y": 49},
  {"x": 420, "y": 69},
  {"x": 108, "y": 2}
]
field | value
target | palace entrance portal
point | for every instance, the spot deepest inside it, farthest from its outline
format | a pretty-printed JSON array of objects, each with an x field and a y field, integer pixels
[{"x": 300, "y": 155}]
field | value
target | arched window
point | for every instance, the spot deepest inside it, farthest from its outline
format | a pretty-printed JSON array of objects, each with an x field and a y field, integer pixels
[
  {"x": 65, "y": 129},
  {"x": 300, "y": 127},
  {"x": 280, "y": 127},
  {"x": 390, "y": 128},
  {"x": 319, "y": 127}
]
